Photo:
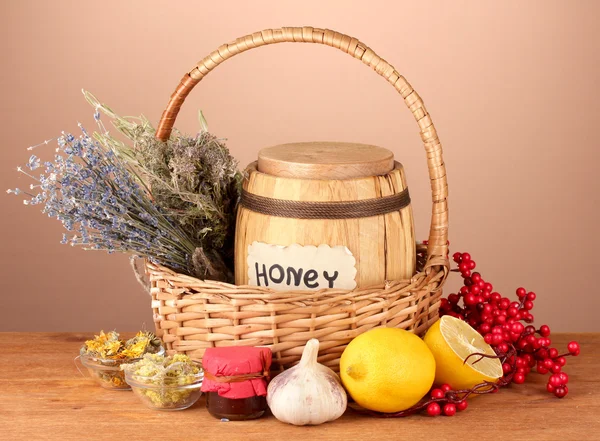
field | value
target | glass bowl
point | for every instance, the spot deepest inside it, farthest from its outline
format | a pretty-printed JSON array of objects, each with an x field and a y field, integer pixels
[
  {"x": 107, "y": 372},
  {"x": 167, "y": 396}
]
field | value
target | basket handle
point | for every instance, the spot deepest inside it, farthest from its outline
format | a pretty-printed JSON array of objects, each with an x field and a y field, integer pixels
[{"x": 437, "y": 246}]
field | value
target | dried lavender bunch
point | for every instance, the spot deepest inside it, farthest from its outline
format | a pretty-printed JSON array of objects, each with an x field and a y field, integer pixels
[
  {"x": 193, "y": 178},
  {"x": 98, "y": 197}
]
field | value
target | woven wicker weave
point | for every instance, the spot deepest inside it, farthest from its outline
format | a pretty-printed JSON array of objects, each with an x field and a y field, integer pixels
[{"x": 192, "y": 315}]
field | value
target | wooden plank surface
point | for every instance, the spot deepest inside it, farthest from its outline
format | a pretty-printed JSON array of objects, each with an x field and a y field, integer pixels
[{"x": 44, "y": 397}]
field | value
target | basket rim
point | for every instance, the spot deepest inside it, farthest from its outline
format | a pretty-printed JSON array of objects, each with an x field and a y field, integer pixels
[{"x": 435, "y": 270}]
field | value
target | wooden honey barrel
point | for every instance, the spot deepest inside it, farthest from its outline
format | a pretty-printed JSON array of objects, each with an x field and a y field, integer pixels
[{"x": 324, "y": 215}]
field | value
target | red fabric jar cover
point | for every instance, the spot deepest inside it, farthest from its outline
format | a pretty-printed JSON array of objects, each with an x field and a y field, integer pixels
[{"x": 236, "y": 361}]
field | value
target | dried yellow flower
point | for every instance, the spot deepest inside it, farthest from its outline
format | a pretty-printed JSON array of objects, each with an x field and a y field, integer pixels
[{"x": 107, "y": 349}]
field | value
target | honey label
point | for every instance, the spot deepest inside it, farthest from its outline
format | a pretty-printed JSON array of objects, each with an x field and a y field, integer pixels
[{"x": 296, "y": 267}]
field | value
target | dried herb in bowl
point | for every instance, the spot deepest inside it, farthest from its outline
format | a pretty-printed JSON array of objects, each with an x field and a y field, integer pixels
[
  {"x": 104, "y": 354},
  {"x": 165, "y": 383}
]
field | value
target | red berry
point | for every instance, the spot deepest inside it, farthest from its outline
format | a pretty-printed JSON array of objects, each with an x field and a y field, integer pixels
[
  {"x": 513, "y": 311},
  {"x": 548, "y": 363},
  {"x": 433, "y": 409},
  {"x": 470, "y": 299},
  {"x": 564, "y": 377},
  {"x": 456, "y": 257},
  {"x": 449, "y": 409},
  {"x": 561, "y": 361},
  {"x": 561, "y": 392},
  {"x": 550, "y": 388},
  {"x": 503, "y": 348},
  {"x": 465, "y": 256},
  {"x": 488, "y": 287},
  {"x": 506, "y": 368},
  {"x": 521, "y": 292},
  {"x": 531, "y": 296},
  {"x": 555, "y": 380},
  {"x": 545, "y": 342},
  {"x": 488, "y": 338},
  {"x": 496, "y": 297},
  {"x": 437, "y": 393},
  {"x": 541, "y": 369},
  {"x": 553, "y": 352},
  {"x": 556, "y": 368},
  {"x": 545, "y": 331},
  {"x": 497, "y": 339},
  {"x": 504, "y": 303},
  {"x": 462, "y": 405},
  {"x": 519, "y": 378},
  {"x": 484, "y": 328},
  {"x": 528, "y": 305},
  {"x": 573, "y": 348},
  {"x": 446, "y": 387},
  {"x": 476, "y": 277},
  {"x": 472, "y": 264},
  {"x": 518, "y": 327}
]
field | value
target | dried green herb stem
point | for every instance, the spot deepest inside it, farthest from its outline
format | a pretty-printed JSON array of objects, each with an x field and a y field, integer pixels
[{"x": 193, "y": 178}]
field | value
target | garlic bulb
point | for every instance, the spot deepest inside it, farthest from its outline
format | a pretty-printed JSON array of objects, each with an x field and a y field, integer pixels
[{"x": 308, "y": 393}]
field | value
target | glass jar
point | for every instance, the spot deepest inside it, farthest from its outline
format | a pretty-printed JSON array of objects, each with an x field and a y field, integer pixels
[
  {"x": 239, "y": 409},
  {"x": 235, "y": 382}
]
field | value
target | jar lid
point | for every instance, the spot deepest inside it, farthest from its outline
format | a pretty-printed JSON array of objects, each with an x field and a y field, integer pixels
[
  {"x": 325, "y": 160},
  {"x": 226, "y": 371}
]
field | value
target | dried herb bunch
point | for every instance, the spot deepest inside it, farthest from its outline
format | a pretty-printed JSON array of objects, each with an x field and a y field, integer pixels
[
  {"x": 102, "y": 203},
  {"x": 193, "y": 178}
]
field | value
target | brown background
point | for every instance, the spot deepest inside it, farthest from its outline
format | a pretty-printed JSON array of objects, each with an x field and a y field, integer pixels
[{"x": 512, "y": 87}]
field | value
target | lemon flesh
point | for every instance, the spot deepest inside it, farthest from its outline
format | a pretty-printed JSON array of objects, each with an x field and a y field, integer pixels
[
  {"x": 451, "y": 341},
  {"x": 387, "y": 369}
]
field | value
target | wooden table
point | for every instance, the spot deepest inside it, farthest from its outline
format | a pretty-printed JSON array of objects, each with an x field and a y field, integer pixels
[{"x": 44, "y": 397}]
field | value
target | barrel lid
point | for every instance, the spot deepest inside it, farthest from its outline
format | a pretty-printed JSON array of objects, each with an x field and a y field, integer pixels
[{"x": 325, "y": 160}]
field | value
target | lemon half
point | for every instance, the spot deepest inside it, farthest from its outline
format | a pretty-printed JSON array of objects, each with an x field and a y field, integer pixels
[{"x": 451, "y": 341}]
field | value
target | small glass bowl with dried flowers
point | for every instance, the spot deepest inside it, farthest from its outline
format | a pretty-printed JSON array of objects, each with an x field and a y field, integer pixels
[
  {"x": 104, "y": 355},
  {"x": 165, "y": 383}
]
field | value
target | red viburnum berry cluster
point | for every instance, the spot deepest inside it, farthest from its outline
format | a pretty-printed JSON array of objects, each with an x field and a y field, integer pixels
[{"x": 522, "y": 347}]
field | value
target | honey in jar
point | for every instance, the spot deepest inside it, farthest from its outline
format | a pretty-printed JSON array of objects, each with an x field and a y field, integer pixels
[{"x": 235, "y": 382}]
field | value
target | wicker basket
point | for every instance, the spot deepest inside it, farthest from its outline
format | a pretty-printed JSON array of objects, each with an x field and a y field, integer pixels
[{"x": 192, "y": 315}]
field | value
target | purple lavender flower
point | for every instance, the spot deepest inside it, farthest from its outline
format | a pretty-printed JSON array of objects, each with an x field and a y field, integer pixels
[{"x": 97, "y": 197}]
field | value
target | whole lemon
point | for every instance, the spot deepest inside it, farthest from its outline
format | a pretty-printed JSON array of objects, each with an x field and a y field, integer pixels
[{"x": 387, "y": 369}]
